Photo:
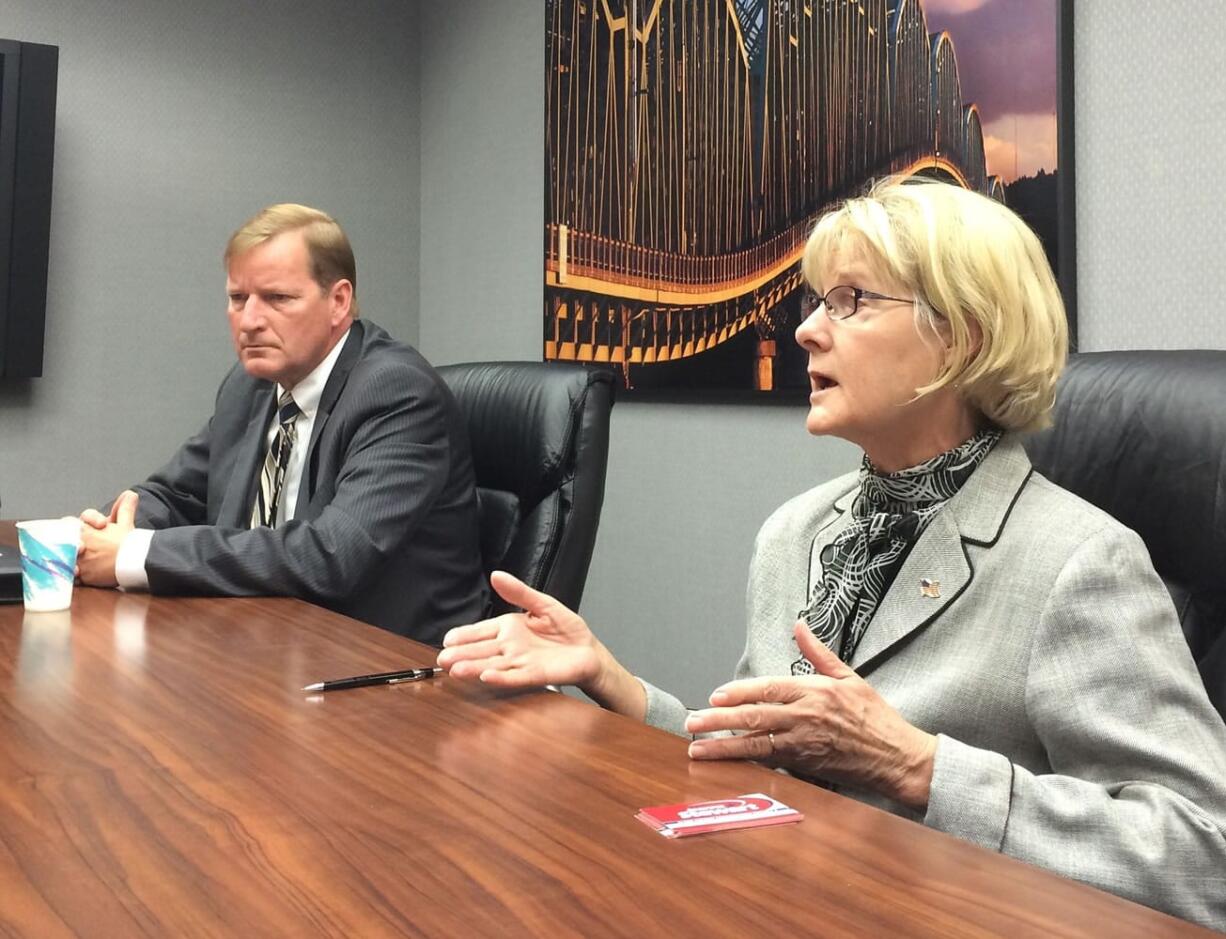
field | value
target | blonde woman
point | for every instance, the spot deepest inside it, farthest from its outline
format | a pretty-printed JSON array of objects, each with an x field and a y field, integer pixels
[{"x": 945, "y": 633}]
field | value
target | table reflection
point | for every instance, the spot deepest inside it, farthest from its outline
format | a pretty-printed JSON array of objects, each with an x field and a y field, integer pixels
[
  {"x": 44, "y": 652},
  {"x": 128, "y": 628}
]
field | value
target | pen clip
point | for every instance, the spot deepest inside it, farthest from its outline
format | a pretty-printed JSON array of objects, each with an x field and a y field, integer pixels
[{"x": 416, "y": 676}]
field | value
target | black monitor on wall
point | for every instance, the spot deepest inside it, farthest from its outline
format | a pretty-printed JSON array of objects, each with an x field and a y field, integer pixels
[{"x": 27, "y": 143}]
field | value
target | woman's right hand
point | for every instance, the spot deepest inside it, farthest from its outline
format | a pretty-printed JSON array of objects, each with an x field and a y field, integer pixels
[{"x": 547, "y": 644}]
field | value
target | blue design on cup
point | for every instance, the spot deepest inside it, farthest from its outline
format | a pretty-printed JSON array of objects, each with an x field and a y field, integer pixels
[{"x": 43, "y": 564}]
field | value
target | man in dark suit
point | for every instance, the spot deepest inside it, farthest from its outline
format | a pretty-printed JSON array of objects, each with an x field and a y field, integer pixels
[{"x": 336, "y": 466}]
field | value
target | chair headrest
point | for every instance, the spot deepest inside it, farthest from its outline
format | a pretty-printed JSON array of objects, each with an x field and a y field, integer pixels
[
  {"x": 522, "y": 421},
  {"x": 1142, "y": 435}
]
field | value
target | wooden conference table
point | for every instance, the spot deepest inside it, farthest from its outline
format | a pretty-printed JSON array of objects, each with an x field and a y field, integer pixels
[{"x": 161, "y": 774}]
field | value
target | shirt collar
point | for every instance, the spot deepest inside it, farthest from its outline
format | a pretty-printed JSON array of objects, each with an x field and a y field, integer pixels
[{"x": 307, "y": 392}]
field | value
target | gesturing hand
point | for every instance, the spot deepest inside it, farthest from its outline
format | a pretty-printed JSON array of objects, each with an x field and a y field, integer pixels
[
  {"x": 832, "y": 724},
  {"x": 547, "y": 644}
]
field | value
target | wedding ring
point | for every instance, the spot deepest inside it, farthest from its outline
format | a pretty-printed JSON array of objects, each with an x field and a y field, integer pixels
[{"x": 771, "y": 737}]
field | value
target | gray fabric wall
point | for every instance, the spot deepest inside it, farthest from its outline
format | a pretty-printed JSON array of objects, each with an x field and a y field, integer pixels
[
  {"x": 1151, "y": 94},
  {"x": 689, "y": 484},
  {"x": 176, "y": 122}
]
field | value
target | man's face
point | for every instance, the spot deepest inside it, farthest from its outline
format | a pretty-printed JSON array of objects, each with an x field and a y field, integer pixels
[{"x": 282, "y": 321}]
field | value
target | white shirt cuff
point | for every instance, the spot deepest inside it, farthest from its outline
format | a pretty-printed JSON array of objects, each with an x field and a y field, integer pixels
[{"x": 130, "y": 561}]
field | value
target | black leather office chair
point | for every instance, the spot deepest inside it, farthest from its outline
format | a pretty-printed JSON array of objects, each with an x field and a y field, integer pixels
[
  {"x": 1142, "y": 435},
  {"x": 540, "y": 440}
]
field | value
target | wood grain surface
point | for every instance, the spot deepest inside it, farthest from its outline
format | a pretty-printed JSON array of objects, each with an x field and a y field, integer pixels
[{"x": 161, "y": 774}]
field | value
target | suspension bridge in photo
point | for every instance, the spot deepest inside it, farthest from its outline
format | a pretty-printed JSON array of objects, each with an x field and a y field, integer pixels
[{"x": 691, "y": 145}]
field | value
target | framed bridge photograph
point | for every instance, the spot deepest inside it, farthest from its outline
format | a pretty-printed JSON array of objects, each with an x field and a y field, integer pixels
[{"x": 691, "y": 146}]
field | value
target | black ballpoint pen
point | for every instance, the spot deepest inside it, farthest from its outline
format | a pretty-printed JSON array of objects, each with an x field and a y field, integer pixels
[{"x": 381, "y": 678}]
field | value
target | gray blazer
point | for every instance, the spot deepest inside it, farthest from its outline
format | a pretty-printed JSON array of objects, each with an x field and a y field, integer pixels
[
  {"x": 385, "y": 526},
  {"x": 1073, "y": 728}
]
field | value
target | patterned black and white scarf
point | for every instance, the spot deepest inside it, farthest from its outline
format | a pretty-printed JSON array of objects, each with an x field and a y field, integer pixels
[{"x": 889, "y": 514}]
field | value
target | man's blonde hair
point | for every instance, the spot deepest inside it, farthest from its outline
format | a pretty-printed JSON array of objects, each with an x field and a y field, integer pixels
[
  {"x": 327, "y": 246},
  {"x": 981, "y": 278}
]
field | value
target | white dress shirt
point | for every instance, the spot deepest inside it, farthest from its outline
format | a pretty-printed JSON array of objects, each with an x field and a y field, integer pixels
[{"x": 130, "y": 560}]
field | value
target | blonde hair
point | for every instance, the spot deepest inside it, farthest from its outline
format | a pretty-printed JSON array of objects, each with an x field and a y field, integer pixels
[
  {"x": 326, "y": 242},
  {"x": 978, "y": 271}
]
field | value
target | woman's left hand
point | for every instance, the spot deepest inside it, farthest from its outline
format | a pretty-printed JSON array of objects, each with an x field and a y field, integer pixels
[{"x": 831, "y": 724}]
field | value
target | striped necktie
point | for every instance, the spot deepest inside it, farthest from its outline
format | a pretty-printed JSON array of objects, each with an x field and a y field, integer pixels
[{"x": 272, "y": 477}]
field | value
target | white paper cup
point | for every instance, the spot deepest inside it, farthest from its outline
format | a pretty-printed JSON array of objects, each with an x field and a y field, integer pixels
[{"x": 48, "y": 561}]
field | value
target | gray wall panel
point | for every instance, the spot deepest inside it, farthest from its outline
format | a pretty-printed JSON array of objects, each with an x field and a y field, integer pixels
[
  {"x": 1151, "y": 93},
  {"x": 482, "y": 179}
]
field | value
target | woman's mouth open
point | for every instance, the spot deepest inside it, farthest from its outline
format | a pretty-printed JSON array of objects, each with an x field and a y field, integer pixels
[{"x": 819, "y": 383}]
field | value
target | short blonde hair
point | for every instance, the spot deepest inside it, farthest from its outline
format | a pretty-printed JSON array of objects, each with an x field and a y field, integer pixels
[
  {"x": 327, "y": 245},
  {"x": 974, "y": 267}
]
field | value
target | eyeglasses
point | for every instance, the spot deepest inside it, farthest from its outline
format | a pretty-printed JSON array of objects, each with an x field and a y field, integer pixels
[{"x": 841, "y": 302}]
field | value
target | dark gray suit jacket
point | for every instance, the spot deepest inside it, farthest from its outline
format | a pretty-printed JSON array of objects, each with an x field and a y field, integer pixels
[{"x": 385, "y": 526}]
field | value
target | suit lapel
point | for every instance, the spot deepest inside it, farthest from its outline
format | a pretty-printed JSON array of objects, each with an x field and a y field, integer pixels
[
  {"x": 351, "y": 352},
  {"x": 938, "y": 556},
  {"x": 235, "y": 511},
  {"x": 974, "y": 516}
]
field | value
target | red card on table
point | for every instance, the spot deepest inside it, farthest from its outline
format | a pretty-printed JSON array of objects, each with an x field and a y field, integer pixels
[{"x": 696, "y": 818}]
